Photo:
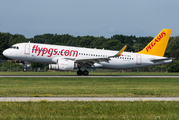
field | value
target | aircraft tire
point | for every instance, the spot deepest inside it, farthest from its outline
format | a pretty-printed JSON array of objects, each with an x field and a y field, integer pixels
[
  {"x": 85, "y": 72},
  {"x": 79, "y": 72}
]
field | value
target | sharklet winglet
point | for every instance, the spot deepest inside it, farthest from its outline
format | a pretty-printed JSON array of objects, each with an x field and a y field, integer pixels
[{"x": 120, "y": 52}]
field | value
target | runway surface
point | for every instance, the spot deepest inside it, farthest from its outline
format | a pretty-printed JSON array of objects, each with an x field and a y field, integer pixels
[
  {"x": 36, "y": 99},
  {"x": 95, "y": 76}
]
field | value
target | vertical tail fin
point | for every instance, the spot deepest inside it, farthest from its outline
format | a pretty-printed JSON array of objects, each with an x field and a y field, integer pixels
[{"x": 158, "y": 45}]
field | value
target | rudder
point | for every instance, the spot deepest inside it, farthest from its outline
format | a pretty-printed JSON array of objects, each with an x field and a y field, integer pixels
[{"x": 158, "y": 45}]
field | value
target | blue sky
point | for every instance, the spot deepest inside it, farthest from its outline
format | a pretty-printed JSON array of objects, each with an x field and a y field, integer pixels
[{"x": 89, "y": 17}]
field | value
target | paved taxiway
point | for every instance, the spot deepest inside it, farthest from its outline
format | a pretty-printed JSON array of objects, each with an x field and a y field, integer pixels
[
  {"x": 95, "y": 76},
  {"x": 35, "y": 99}
]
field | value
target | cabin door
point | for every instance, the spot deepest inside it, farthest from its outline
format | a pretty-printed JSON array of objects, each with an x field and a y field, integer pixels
[
  {"x": 27, "y": 49},
  {"x": 138, "y": 59}
]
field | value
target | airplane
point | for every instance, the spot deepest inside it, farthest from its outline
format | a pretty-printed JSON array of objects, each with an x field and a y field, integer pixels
[{"x": 68, "y": 58}]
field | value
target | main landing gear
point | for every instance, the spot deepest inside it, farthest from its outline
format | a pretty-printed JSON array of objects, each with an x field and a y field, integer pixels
[{"x": 80, "y": 72}]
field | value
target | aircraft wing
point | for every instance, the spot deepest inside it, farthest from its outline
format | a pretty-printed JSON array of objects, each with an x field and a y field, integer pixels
[{"x": 90, "y": 61}]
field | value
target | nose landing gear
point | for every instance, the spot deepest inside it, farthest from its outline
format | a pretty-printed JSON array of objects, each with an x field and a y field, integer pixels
[{"x": 80, "y": 72}]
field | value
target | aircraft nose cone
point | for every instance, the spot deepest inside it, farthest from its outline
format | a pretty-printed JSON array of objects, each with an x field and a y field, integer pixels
[{"x": 5, "y": 53}]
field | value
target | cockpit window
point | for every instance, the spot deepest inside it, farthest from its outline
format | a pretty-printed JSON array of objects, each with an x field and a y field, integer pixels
[{"x": 14, "y": 47}]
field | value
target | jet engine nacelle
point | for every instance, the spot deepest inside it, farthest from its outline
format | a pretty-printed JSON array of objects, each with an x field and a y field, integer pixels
[{"x": 63, "y": 64}]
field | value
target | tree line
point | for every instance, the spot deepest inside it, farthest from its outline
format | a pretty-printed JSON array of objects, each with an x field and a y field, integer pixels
[{"x": 116, "y": 42}]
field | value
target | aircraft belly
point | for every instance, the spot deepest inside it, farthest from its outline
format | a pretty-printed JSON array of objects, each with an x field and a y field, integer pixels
[
  {"x": 126, "y": 64},
  {"x": 42, "y": 60},
  {"x": 119, "y": 65}
]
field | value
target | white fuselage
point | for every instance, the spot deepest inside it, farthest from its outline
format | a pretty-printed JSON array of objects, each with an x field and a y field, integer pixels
[{"x": 45, "y": 53}]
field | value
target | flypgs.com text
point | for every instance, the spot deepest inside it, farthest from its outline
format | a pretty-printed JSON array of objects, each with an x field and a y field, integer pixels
[{"x": 53, "y": 51}]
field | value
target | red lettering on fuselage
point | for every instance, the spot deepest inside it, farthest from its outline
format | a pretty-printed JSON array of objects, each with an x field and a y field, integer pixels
[
  {"x": 72, "y": 52},
  {"x": 36, "y": 49},
  {"x": 55, "y": 50},
  {"x": 39, "y": 51},
  {"x": 44, "y": 51},
  {"x": 51, "y": 51},
  {"x": 33, "y": 48},
  {"x": 155, "y": 41},
  {"x": 66, "y": 52},
  {"x": 61, "y": 53}
]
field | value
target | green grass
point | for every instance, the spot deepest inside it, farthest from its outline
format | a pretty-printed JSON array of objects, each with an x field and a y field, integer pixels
[
  {"x": 98, "y": 87},
  {"x": 91, "y": 73},
  {"x": 91, "y": 110}
]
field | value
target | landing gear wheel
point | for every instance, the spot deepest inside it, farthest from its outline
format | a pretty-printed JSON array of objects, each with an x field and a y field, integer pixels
[
  {"x": 79, "y": 72},
  {"x": 85, "y": 72}
]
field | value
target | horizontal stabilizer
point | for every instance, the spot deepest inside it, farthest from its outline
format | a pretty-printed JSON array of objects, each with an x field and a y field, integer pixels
[{"x": 161, "y": 59}]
